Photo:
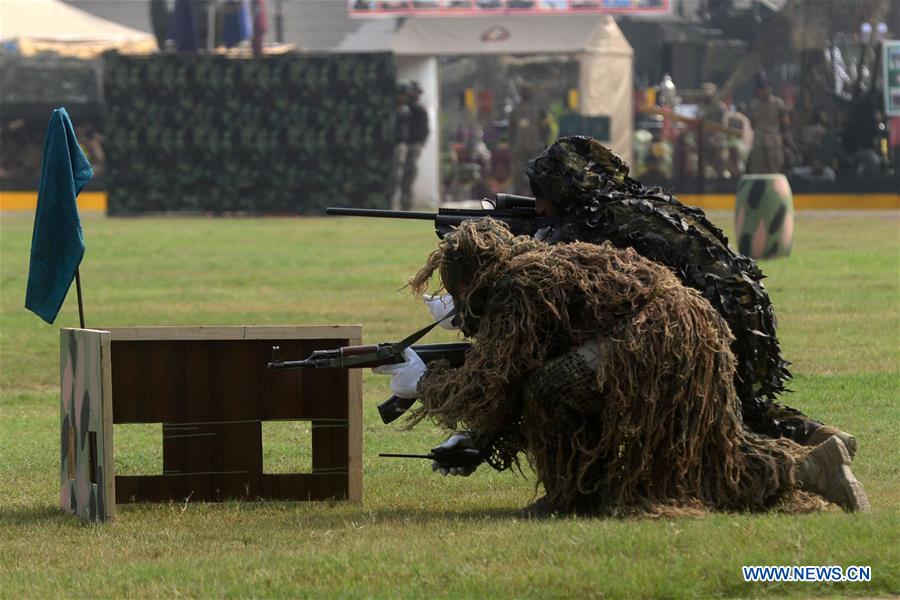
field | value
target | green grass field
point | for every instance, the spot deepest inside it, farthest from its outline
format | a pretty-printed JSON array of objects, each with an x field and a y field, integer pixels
[{"x": 417, "y": 534}]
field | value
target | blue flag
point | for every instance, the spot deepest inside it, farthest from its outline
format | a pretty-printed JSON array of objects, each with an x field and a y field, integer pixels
[{"x": 57, "y": 244}]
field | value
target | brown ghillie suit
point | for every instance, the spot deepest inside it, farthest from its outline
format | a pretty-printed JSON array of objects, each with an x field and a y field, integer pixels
[{"x": 659, "y": 431}]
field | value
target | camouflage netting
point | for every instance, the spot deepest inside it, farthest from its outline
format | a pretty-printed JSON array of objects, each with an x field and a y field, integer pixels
[
  {"x": 283, "y": 134},
  {"x": 599, "y": 202},
  {"x": 663, "y": 433}
]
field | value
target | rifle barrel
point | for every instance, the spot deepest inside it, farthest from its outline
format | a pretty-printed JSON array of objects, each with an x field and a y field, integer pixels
[
  {"x": 290, "y": 364},
  {"x": 390, "y": 455},
  {"x": 385, "y": 214}
]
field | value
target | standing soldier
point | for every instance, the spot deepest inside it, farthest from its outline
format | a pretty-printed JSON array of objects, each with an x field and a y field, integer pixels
[
  {"x": 401, "y": 133},
  {"x": 769, "y": 118},
  {"x": 712, "y": 110},
  {"x": 418, "y": 134}
]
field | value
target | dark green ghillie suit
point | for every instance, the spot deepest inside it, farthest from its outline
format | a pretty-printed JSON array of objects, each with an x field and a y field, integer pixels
[
  {"x": 598, "y": 202},
  {"x": 614, "y": 379}
]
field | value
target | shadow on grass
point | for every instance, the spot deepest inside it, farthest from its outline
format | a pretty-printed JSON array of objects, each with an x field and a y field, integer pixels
[
  {"x": 328, "y": 515},
  {"x": 323, "y": 515},
  {"x": 319, "y": 515},
  {"x": 31, "y": 515}
]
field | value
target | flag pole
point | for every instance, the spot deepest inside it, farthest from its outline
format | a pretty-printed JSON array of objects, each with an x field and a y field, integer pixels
[{"x": 80, "y": 301}]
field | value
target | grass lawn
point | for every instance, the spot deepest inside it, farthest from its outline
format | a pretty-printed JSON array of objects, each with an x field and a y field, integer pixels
[{"x": 417, "y": 534}]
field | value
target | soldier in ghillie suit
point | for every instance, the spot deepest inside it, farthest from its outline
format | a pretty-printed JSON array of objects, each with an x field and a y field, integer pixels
[
  {"x": 587, "y": 187},
  {"x": 613, "y": 378}
]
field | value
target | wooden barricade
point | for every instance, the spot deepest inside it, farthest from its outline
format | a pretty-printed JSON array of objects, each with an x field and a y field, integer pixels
[{"x": 211, "y": 390}]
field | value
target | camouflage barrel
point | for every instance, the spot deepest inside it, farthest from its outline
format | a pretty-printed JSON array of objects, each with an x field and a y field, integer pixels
[{"x": 764, "y": 216}]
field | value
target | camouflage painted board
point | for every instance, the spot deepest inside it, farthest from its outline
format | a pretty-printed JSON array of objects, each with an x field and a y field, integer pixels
[
  {"x": 86, "y": 472},
  {"x": 764, "y": 216}
]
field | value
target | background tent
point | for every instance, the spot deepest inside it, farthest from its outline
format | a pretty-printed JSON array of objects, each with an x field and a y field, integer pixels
[
  {"x": 604, "y": 55},
  {"x": 34, "y": 26}
]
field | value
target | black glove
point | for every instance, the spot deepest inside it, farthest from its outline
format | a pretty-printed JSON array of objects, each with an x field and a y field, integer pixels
[{"x": 456, "y": 456}]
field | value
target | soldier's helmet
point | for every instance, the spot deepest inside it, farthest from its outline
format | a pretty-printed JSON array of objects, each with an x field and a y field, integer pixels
[{"x": 572, "y": 168}]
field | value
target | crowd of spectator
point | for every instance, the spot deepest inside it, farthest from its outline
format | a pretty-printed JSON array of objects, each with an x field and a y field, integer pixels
[{"x": 709, "y": 138}]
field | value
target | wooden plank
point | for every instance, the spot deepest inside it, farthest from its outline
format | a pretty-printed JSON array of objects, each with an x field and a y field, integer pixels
[
  {"x": 292, "y": 394},
  {"x": 303, "y": 332},
  {"x": 192, "y": 380},
  {"x": 83, "y": 468},
  {"x": 208, "y": 449},
  {"x": 120, "y": 334},
  {"x": 237, "y": 332},
  {"x": 281, "y": 486},
  {"x": 109, "y": 464},
  {"x": 67, "y": 445},
  {"x": 329, "y": 446},
  {"x": 354, "y": 431},
  {"x": 324, "y": 392}
]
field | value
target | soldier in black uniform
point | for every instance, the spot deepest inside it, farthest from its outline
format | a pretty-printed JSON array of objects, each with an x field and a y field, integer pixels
[
  {"x": 587, "y": 186},
  {"x": 401, "y": 135},
  {"x": 418, "y": 134}
]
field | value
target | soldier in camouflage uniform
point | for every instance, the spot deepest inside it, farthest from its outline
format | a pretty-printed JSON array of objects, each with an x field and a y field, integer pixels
[
  {"x": 612, "y": 378},
  {"x": 769, "y": 118},
  {"x": 588, "y": 188}
]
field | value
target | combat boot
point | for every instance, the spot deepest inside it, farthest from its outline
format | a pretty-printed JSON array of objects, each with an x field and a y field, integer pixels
[
  {"x": 826, "y": 472},
  {"x": 826, "y": 431}
]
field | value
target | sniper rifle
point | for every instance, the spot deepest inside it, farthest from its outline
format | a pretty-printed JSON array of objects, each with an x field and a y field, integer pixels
[{"x": 518, "y": 212}]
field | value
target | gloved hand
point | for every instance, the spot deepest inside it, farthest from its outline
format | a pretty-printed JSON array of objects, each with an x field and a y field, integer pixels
[
  {"x": 464, "y": 471},
  {"x": 455, "y": 443},
  {"x": 404, "y": 376},
  {"x": 440, "y": 307}
]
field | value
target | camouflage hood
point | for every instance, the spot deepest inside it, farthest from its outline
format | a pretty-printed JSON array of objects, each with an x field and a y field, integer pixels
[{"x": 571, "y": 171}]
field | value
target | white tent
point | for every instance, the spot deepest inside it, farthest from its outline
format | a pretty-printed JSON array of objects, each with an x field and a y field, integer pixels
[
  {"x": 49, "y": 25},
  {"x": 605, "y": 64}
]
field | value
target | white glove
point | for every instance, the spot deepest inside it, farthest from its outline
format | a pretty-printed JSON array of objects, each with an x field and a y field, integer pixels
[
  {"x": 405, "y": 375},
  {"x": 440, "y": 307}
]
